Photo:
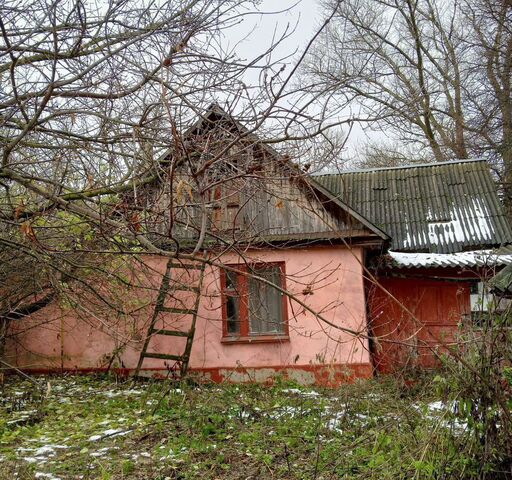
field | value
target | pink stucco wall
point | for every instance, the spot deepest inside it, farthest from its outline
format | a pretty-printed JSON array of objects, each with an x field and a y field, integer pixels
[{"x": 327, "y": 279}]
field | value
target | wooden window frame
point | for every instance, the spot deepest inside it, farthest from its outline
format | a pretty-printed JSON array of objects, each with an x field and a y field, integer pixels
[{"x": 245, "y": 335}]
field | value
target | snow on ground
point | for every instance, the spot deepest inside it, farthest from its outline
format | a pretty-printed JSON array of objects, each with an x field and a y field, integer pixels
[
  {"x": 102, "y": 429},
  {"x": 443, "y": 414},
  {"x": 111, "y": 432},
  {"x": 40, "y": 455},
  {"x": 117, "y": 393},
  {"x": 48, "y": 476},
  {"x": 302, "y": 393}
]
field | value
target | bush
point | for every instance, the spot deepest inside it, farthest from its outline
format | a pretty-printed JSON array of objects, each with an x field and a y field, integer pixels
[{"x": 478, "y": 383}]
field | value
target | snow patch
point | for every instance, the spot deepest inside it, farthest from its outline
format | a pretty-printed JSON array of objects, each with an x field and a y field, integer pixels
[
  {"x": 49, "y": 476},
  {"x": 437, "y": 406},
  {"x": 136, "y": 456},
  {"x": 111, "y": 432},
  {"x": 41, "y": 454},
  {"x": 284, "y": 412},
  {"x": 118, "y": 393},
  {"x": 302, "y": 393},
  {"x": 334, "y": 422},
  {"x": 468, "y": 259},
  {"x": 45, "y": 450},
  {"x": 465, "y": 223}
]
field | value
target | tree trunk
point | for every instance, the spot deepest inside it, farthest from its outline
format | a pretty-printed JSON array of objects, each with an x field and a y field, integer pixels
[{"x": 507, "y": 177}]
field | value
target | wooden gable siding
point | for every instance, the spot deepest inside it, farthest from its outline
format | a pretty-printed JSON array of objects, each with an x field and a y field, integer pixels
[
  {"x": 249, "y": 195},
  {"x": 283, "y": 206},
  {"x": 256, "y": 208}
]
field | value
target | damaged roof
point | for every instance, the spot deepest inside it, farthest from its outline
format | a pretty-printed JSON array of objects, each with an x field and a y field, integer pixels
[
  {"x": 250, "y": 194},
  {"x": 437, "y": 208}
]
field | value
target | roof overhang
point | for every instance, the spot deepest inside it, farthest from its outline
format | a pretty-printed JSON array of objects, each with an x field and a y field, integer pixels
[{"x": 471, "y": 259}]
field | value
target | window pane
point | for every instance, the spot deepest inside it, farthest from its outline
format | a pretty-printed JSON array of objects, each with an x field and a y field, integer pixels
[
  {"x": 233, "y": 314},
  {"x": 265, "y": 303},
  {"x": 231, "y": 281}
]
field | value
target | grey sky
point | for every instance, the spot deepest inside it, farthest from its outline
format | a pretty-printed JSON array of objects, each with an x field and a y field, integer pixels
[{"x": 258, "y": 32}]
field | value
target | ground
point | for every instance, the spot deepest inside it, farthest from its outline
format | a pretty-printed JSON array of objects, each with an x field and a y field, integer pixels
[{"x": 108, "y": 428}]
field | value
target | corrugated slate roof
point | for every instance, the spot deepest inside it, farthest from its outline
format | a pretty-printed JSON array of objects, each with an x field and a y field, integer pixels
[
  {"x": 472, "y": 259},
  {"x": 439, "y": 208}
]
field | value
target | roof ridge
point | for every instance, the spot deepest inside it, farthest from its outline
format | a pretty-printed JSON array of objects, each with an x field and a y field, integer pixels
[{"x": 402, "y": 167}]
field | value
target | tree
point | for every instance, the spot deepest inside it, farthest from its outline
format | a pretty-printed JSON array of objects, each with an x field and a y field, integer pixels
[
  {"x": 433, "y": 75},
  {"x": 91, "y": 96},
  {"x": 98, "y": 103}
]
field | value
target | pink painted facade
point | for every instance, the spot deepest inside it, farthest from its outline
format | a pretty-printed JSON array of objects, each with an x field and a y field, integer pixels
[{"x": 329, "y": 280}]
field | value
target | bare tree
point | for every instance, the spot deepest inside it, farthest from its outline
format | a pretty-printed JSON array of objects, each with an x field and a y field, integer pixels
[
  {"x": 430, "y": 74},
  {"x": 92, "y": 95},
  {"x": 103, "y": 158}
]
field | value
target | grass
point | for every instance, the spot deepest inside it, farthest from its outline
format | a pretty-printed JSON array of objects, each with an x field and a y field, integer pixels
[{"x": 103, "y": 428}]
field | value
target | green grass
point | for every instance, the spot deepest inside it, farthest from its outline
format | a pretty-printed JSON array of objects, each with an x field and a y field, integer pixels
[{"x": 98, "y": 428}]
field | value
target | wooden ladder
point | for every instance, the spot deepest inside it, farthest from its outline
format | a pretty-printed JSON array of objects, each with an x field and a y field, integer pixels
[{"x": 166, "y": 288}]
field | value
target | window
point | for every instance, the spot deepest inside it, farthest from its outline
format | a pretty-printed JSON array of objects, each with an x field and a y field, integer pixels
[{"x": 253, "y": 310}]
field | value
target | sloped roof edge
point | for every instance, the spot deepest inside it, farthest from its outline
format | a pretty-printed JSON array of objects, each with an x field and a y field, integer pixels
[
  {"x": 337, "y": 201},
  {"x": 215, "y": 109},
  {"x": 400, "y": 167}
]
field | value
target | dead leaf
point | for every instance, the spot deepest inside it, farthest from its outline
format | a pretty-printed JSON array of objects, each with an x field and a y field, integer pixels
[
  {"x": 18, "y": 212},
  {"x": 135, "y": 222},
  {"x": 27, "y": 230},
  {"x": 183, "y": 188}
]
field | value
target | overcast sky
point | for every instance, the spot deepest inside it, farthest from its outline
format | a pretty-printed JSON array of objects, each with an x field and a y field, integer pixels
[
  {"x": 258, "y": 32},
  {"x": 277, "y": 15}
]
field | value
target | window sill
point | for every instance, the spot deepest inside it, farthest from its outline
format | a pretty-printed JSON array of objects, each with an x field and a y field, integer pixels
[{"x": 256, "y": 339}]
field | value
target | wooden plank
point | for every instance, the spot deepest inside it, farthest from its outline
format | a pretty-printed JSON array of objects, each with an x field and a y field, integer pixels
[
  {"x": 163, "y": 356},
  {"x": 172, "y": 333},
  {"x": 184, "y": 311},
  {"x": 186, "y": 288},
  {"x": 186, "y": 266}
]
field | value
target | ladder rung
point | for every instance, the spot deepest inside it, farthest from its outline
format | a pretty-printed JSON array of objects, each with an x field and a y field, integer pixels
[
  {"x": 164, "y": 356},
  {"x": 185, "y": 311},
  {"x": 172, "y": 333},
  {"x": 188, "y": 266}
]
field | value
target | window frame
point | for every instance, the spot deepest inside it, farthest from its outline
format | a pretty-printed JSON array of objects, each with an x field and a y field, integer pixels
[{"x": 245, "y": 336}]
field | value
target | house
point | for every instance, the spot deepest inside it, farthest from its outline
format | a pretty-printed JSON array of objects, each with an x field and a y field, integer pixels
[
  {"x": 445, "y": 221},
  {"x": 262, "y": 222},
  {"x": 289, "y": 258}
]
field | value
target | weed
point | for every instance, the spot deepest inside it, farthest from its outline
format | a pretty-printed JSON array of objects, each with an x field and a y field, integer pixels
[{"x": 100, "y": 429}]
